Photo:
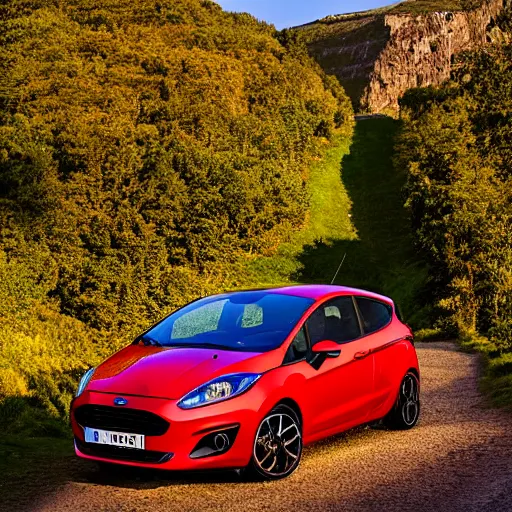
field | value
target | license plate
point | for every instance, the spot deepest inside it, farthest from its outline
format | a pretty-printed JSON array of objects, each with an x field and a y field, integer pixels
[{"x": 120, "y": 439}]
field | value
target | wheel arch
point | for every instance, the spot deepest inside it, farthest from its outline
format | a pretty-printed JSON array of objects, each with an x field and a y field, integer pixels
[
  {"x": 292, "y": 404},
  {"x": 414, "y": 371}
]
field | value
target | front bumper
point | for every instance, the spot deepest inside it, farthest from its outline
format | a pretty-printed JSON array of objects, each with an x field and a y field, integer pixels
[{"x": 186, "y": 428}]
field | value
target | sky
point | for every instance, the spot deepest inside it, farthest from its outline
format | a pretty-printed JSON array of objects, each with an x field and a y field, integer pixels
[{"x": 289, "y": 13}]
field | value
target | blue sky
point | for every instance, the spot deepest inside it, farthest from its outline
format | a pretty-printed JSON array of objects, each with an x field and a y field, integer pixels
[{"x": 288, "y": 13}]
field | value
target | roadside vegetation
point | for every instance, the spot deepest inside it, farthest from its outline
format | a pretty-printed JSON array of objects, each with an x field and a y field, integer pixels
[
  {"x": 456, "y": 144},
  {"x": 149, "y": 152}
]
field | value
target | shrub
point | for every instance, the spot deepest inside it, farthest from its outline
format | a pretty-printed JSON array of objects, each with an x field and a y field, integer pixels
[
  {"x": 456, "y": 145},
  {"x": 145, "y": 149}
]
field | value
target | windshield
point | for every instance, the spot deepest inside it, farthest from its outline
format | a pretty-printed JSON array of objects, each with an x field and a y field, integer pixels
[{"x": 244, "y": 321}]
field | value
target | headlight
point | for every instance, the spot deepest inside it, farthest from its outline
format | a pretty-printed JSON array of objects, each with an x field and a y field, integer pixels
[
  {"x": 84, "y": 381},
  {"x": 219, "y": 389}
]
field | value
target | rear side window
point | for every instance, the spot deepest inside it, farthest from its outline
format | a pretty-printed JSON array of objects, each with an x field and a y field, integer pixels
[
  {"x": 375, "y": 315},
  {"x": 335, "y": 320}
]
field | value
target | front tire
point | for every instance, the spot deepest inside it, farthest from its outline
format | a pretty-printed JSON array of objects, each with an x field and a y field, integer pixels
[
  {"x": 406, "y": 411},
  {"x": 277, "y": 448}
]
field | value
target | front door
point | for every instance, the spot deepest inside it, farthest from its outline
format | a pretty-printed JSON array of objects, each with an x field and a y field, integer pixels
[{"x": 340, "y": 389}]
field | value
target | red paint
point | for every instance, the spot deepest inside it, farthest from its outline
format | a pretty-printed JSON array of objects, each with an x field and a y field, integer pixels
[{"x": 358, "y": 386}]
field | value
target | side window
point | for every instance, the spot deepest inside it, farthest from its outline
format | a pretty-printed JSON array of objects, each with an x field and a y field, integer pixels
[
  {"x": 375, "y": 314},
  {"x": 335, "y": 320},
  {"x": 298, "y": 348}
]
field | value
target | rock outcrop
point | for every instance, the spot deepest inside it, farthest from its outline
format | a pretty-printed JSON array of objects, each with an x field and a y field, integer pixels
[{"x": 378, "y": 56}]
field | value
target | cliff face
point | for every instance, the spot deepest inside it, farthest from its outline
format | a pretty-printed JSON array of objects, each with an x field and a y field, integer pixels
[{"x": 379, "y": 56}]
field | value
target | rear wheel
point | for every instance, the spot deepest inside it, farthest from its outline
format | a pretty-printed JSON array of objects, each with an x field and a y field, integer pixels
[
  {"x": 406, "y": 411},
  {"x": 277, "y": 447}
]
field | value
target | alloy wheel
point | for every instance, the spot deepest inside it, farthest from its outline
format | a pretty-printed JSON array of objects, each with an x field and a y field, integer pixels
[
  {"x": 278, "y": 445},
  {"x": 409, "y": 399}
]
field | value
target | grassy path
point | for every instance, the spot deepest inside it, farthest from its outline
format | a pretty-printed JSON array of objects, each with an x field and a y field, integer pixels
[
  {"x": 359, "y": 213},
  {"x": 382, "y": 258}
]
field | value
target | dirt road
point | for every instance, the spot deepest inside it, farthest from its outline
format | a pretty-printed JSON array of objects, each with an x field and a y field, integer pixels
[{"x": 458, "y": 458}]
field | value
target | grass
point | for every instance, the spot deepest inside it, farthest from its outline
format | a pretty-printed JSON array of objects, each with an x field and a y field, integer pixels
[
  {"x": 18, "y": 453},
  {"x": 25, "y": 463},
  {"x": 357, "y": 212},
  {"x": 496, "y": 381},
  {"x": 26, "y": 417},
  {"x": 30, "y": 436}
]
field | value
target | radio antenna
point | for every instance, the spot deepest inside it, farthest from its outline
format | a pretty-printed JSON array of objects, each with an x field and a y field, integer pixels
[{"x": 339, "y": 268}]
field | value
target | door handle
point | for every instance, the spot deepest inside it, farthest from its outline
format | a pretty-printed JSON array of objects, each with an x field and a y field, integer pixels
[{"x": 362, "y": 354}]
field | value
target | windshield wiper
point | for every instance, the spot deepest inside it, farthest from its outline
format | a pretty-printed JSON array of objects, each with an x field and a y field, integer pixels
[{"x": 150, "y": 342}]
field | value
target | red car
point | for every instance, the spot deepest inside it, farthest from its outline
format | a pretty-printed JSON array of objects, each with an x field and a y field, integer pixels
[{"x": 246, "y": 379}]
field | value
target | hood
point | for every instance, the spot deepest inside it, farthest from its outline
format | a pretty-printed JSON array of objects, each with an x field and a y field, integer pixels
[{"x": 172, "y": 372}]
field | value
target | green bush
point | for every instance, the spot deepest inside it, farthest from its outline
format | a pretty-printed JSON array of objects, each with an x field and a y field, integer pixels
[
  {"x": 24, "y": 417},
  {"x": 12, "y": 383},
  {"x": 456, "y": 146},
  {"x": 136, "y": 138},
  {"x": 496, "y": 381},
  {"x": 146, "y": 149}
]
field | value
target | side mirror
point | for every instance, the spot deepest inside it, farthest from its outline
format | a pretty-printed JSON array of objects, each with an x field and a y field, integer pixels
[{"x": 327, "y": 347}]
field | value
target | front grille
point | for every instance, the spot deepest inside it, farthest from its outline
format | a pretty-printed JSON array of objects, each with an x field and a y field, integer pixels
[
  {"x": 124, "y": 454},
  {"x": 129, "y": 421}
]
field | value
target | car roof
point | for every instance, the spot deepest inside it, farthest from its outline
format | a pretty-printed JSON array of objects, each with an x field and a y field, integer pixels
[{"x": 320, "y": 291}]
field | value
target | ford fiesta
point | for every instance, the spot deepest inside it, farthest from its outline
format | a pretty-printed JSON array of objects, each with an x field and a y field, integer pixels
[{"x": 246, "y": 379}]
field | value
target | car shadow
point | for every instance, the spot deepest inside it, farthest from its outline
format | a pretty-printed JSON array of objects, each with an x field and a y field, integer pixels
[
  {"x": 149, "y": 478},
  {"x": 137, "y": 478}
]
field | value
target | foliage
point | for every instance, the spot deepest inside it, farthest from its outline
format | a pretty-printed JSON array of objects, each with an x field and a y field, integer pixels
[
  {"x": 360, "y": 216},
  {"x": 456, "y": 143},
  {"x": 147, "y": 150},
  {"x": 496, "y": 381}
]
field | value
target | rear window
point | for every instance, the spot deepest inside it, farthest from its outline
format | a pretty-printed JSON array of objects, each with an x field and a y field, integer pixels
[{"x": 375, "y": 314}]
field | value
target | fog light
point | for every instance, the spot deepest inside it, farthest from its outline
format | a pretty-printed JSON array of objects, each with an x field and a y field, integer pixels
[
  {"x": 221, "y": 441},
  {"x": 215, "y": 443}
]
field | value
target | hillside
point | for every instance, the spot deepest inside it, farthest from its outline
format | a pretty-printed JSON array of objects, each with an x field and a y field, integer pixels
[
  {"x": 148, "y": 151},
  {"x": 378, "y": 55}
]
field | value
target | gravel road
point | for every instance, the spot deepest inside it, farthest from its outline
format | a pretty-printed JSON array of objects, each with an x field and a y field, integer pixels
[{"x": 458, "y": 458}]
